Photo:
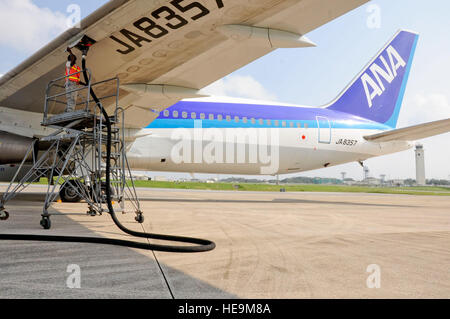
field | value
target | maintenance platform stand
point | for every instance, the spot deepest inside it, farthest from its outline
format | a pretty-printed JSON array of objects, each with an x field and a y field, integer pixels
[{"x": 74, "y": 156}]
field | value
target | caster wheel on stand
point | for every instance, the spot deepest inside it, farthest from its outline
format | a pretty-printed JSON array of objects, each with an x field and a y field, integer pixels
[
  {"x": 46, "y": 223},
  {"x": 92, "y": 213},
  {"x": 4, "y": 215},
  {"x": 140, "y": 218}
]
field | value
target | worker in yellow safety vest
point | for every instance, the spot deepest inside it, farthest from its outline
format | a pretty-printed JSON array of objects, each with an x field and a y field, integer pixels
[{"x": 73, "y": 75}]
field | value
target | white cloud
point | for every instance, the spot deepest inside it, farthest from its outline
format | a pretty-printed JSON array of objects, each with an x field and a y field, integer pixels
[
  {"x": 422, "y": 108},
  {"x": 26, "y": 27},
  {"x": 241, "y": 87}
]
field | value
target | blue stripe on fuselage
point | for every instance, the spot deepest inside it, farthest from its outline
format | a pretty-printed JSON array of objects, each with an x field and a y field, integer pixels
[{"x": 180, "y": 116}]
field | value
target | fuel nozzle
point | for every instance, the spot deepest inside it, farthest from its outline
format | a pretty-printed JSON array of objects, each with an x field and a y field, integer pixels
[
  {"x": 83, "y": 43},
  {"x": 84, "y": 48}
]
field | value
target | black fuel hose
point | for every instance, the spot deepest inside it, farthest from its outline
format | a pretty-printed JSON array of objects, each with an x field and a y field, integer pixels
[
  {"x": 94, "y": 240},
  {"x": 202, "y": 244}
]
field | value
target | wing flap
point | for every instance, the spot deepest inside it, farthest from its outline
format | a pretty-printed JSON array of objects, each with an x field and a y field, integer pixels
[{"x": 412, "y": 133}]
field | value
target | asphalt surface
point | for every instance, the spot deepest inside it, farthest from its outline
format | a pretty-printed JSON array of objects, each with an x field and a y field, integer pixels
[{"x": 269, "y": 245}]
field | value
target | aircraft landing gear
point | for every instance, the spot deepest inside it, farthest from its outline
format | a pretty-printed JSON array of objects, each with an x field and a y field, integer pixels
[
  {"x": 4, "y": 215},
  {"x": 68, "y": 194},
  {"x": 46, "y": 223}
]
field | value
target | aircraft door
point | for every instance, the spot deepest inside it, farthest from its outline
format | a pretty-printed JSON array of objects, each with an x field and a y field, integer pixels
[{"x": 324, "y": 129}]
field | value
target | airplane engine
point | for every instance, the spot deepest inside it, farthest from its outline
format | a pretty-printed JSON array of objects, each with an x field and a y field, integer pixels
[
  {"x": 13, "y": 148},
  {"x": 7, "y": 172}
]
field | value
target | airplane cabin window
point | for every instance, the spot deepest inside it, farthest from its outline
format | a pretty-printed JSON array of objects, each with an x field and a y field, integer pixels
[
  {"x": 253, "y": 121},
  {"x": 175, "y": 114},
  {"x": 269, "y": 122},
  {"x": 283, "y": 123},
  {"x": 193, "y": 115},
  {"x": 245, "y": 120},
  {"x": 277, "y": 123},
  {"x": 261, "y": 122},
  {"x": 228, "y": 118},
  {"x": 220, "y": 117},
  {"x": 202, "y": 116},
  {"x": 236, "y": 119},
  {"x": 211, "y": 117},
  {"x": 185, "y": 115},
  {"x": 166, "y": 113}
]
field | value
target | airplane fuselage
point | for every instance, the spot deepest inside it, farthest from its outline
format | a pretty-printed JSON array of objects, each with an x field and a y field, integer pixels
[{"x": 244, "y": 138}]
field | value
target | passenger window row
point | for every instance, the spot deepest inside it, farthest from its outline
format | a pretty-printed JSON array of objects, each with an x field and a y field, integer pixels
[{"x": 236, "y": 119}]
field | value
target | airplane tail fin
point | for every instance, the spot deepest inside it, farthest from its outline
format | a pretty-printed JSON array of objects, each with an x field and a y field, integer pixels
[{"x": 377, "y": 92}]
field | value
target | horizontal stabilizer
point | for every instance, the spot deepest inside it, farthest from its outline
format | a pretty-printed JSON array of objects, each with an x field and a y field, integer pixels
[{"x": 412, "y": 133}]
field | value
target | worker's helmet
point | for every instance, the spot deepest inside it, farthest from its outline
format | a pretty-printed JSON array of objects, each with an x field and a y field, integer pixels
[{"x": 72, "y": 59}]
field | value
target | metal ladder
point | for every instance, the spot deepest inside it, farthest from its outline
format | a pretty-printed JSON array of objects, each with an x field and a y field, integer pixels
[{"x": 75, "y": 154}]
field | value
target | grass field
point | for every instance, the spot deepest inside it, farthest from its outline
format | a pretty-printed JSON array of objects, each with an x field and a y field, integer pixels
[
  {"x": 245, "y": 187},
  {"x": 441, "y": 191}
]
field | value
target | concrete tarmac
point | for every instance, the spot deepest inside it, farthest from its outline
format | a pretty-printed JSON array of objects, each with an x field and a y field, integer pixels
[{"x": 269, "y": 245}]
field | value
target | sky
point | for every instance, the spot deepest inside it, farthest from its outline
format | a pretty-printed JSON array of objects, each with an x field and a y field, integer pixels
[{"x": 312, "y": 76}]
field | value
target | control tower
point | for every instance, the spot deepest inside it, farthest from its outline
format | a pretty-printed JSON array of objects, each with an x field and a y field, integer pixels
[
  {"x": 366, "y": 173},
  {"x": 420, "y": 165}
]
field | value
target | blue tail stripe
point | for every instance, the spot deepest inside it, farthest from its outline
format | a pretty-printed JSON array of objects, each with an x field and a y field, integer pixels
[{"x": 377, "y": 93}]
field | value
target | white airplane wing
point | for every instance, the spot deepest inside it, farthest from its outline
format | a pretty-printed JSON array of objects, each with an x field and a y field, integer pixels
[
  {"x": 412, "y": 133},
  {"x": 165, "y": 51}
]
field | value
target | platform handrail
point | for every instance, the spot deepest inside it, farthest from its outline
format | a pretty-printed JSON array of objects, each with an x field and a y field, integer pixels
[
  {"x": 54, "y": 99},
  {"x": 51, "y": 84}
]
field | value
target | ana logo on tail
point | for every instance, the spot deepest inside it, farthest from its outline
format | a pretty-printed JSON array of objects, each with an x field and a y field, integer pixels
[{"x": 389, "y": 73}]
